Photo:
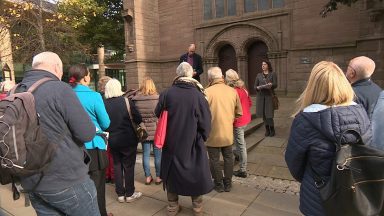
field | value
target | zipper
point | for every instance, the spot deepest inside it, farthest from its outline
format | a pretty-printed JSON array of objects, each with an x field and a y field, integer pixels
[{"x": 14, "y": 142}]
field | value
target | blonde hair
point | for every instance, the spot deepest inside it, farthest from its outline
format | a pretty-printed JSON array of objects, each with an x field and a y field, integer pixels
[
  {"x": 113, "y": 89},
  {"x": 102, "y": 82},
  {"x": 327, "y": 85},
  {"x": 148, "y": 87},
  {"x": 232, "y": 79}
]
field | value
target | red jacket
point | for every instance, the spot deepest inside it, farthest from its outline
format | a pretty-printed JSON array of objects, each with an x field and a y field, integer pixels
[
  {"x": 3, "y": 95},
  {"x": 246, "y": 104}
]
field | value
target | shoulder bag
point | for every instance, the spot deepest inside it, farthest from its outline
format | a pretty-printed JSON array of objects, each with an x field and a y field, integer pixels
[
  {"x": 140, "y": 130},
  {"x": 161, "y": 129}
]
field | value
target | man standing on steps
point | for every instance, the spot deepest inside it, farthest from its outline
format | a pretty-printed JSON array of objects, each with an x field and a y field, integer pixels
[
  {"x": 225, "y": 106},
  {"x": 194, "y": 60}
]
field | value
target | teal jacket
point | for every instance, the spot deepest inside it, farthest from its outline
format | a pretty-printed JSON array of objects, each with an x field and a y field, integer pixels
[{"x": 94, "y": 106}]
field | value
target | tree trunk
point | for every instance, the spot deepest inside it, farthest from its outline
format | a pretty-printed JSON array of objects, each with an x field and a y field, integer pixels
[{"x": 40, "y": 29}]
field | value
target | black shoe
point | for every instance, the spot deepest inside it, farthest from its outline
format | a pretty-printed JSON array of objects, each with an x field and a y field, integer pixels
[
  {"x": 241, "y": 174},
  {"x": 219, "y": 188},
  {"x": 237, "y": 157},
  {"x": 267, "y": 130},
  {"x": 227, "y": 185},
  {"x": 272, "y": 131}
]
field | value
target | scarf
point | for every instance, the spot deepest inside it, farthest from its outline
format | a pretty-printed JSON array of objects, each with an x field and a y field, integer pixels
[{"x": 190, "y": 80}]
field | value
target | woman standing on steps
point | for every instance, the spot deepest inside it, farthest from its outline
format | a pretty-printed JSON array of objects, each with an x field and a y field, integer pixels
[{"x": 265, "y": 84}]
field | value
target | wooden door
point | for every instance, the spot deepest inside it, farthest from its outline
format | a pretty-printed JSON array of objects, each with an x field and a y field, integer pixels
[
  {"x": 257, "y": 52},
  {"x": 227, "y": 58}
]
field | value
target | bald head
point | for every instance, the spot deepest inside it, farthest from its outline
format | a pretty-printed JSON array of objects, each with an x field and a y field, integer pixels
[
  {"x": 359, "y": 68},
  {"x": 214, "y": 73},
  {"x": 191, "y": 49},
  {"x": 50, "y": 62}
]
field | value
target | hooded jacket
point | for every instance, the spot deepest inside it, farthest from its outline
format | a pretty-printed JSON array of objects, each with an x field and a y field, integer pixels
[{"x": 311, "y": 143}]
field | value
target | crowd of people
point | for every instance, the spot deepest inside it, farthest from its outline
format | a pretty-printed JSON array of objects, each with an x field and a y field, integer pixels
[{"x": 95, "y": 132}]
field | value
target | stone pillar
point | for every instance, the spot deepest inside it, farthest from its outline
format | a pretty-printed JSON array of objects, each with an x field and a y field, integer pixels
[
  {"x": 100, "y": 58},
  {"x": 243, "y": 69}
]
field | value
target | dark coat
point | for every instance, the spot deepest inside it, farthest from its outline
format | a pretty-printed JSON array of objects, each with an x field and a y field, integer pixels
[
  {"x": 121, "y": 132},
  {"x": 184, "y": 162},
  {"x": 311, "y": 142},
  {"x": 367, "y": 93},
  {"x": 264, "y": 97},
  {"x": 197, "y": 64},
  {"x": 146, "y": 105}
]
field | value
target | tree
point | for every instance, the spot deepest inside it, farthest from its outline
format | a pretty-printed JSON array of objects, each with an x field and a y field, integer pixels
[{"x": 332, "y": 5}]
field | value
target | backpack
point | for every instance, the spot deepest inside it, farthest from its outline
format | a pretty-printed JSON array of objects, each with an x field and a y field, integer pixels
[
  {"x": 356, "y": 184},
  {"x": 24, "y": 150}
]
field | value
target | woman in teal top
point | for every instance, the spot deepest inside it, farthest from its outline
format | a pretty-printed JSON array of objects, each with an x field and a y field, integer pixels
[{"x": 79, "y": 79}]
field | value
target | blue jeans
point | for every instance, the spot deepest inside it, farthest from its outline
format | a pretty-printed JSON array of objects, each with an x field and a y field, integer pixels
[
  {"x": 146, "y": 155},
  {"x": 241, "y": 146},
  {"x": 78, "y": 200}
]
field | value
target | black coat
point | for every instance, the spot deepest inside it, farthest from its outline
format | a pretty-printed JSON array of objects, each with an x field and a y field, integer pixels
[
  {"x": 264, "y": 102},
  {"x": 311, "y": 142},
  {"x": 121, "y": 132},
  {"x": 197, "y": 64},
  {"x": 184, "y": 161},
  {"x": 367, "y": 93}
]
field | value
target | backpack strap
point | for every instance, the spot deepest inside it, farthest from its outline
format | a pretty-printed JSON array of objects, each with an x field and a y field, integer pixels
[{"x": 38, "y": 83}]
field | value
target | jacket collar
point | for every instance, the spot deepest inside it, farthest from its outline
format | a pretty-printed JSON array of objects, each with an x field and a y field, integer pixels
[
  {"x": 82, "y": 88},
  {"x": 362, "y": 82},
  {"x": 216, "y": 81},
  {"x": 32, "y": 75}
]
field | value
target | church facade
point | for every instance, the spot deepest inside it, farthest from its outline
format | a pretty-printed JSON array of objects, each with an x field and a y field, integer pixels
[{"x": 239, "y": 34}]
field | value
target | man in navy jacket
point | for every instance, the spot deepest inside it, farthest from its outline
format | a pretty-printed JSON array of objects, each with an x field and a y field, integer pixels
[{"x": 194, "y": 60}]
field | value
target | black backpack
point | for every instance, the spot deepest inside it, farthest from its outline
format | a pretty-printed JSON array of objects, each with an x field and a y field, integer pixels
[
  {"x": 356, "y": 184},
  {"x": 24, "y": 150}
]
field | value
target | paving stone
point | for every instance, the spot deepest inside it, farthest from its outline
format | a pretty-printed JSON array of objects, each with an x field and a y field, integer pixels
[
  {"x": 12, "y": 207},
  {"x": 280, "y": 172},
  {"x": 262, "y": 210},
  {"x": 145, "y": 206},
  {"x": 273, "y": 142},
  {"x": 284, "y": 202}
]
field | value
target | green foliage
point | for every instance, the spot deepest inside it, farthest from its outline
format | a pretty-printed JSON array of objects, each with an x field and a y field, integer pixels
[{"x": 332, "y": 5}]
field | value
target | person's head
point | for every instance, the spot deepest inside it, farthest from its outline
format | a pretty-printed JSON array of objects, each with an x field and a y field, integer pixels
[
  {"x": 113, "y": 89},
  {"x": 232, "y": 79},
  {"x": 7, "y": 85},
  {"x": 191, "y": 49},
  {"x": 266, "y": 65},
  {"x": 184, "y": 70},
  {"x": 214, "y": 73},
  {"x": 148, "y": 86},
  {"x": 360, "y": 68},
  {"x": 101, "y": 83},
  {"x": 50, "y": 62},
  {"x": 326, "y": 85},
  {"x": 79, "y": 74}
]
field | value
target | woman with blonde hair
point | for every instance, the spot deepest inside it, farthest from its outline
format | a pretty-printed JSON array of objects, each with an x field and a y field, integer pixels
[
  {"x": 146, "y": 100},
  {"x": 232, "y": 79},
  {"x": 326, "y": 109}
]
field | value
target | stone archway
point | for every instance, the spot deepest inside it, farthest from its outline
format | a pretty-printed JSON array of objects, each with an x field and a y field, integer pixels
[
  {"x": 227, "y": 58},
  {"x": 257, "y": 52}
]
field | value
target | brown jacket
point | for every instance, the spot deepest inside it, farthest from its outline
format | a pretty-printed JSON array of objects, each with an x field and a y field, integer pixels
[
  {"x": 225, "y": 106},
  {"x": 146, "y": 105}
]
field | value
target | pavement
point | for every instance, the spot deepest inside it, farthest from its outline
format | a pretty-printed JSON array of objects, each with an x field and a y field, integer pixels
[{"x": 269, "y": 190}]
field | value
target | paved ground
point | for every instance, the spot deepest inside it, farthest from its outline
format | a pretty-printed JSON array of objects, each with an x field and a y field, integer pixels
[{"x": 268, "y": 191}]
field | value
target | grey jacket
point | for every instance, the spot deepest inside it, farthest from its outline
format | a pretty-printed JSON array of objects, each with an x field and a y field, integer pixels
[
  {"x": 146, "y": 104},
  {"x": 65, "y": 123},
  {"x": 264, "y": 103}
]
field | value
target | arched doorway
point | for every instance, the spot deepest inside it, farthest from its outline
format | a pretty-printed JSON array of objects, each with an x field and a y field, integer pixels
[
  {"x": 257, "y": 52},
  {"x": 227, "y": 58}
]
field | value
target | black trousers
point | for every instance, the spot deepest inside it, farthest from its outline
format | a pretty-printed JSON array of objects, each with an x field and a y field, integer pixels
[
  {"x": 124, "y": 160},
  {"x": 98, "y": 177},
  {"x": 214, "y": 159}
]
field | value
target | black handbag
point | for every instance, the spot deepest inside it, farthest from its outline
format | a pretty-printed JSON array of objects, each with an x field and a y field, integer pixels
[
  {"x": 356, "y": 184},
  {"x": 140, "y": 130}
]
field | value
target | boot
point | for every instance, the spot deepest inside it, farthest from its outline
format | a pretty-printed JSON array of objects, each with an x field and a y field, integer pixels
[
  {"x": 173, "y": 208},
  {"x": 197, "y": 204},
  {"x": 272, "y": 133},
  {"x": 267, "y": 130},
  {"x": 227, "y": 184}
]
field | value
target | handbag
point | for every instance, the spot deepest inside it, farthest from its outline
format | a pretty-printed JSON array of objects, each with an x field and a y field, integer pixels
[
  {"x": 161, "y": 128},
  {"x": 356, "y": 184},
  {"x": 275, "y": 100},
  {"x": 140, "y": 130}
]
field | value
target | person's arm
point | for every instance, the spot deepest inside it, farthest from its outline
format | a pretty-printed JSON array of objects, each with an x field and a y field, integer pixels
[
  {"x": 199, "y": 68},
  {"x": 181, "y": 59},
  {"x": 101, "y": 113},
  {"x": 274, "y": 81},
  {"x": 238, "y": 108},
  {"x": 135, "y": 113},
  {"x": 203, "y": 118},
  {"x": 257, "y": 83},
  {"x": 159, "y": 106},
  {"x": 78, "y": 121},
  {"x": 296, "y": 152}
]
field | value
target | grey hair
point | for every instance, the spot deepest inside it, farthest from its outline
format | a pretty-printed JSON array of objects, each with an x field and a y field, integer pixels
[
  {"x": 184, "y": 70},
  {"x": 233, "y": 79},
  {"x": 214, "y": 73},
  {"x": 46, "y": 58},
  {"x": 113, "y": 89}
]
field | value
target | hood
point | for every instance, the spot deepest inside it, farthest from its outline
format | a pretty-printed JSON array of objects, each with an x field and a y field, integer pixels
[{"x": 332, "y": 122}]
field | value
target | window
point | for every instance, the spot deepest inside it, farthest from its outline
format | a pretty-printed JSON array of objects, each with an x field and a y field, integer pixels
[
  {"x": 260, "y": 5},
  {"x": 219, "y": 8}
]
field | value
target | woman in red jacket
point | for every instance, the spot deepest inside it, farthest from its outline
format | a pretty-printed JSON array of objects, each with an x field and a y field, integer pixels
[{"x": 233, "y": 80}]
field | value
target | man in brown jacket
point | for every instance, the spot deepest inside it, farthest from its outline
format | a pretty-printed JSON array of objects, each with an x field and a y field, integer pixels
[{"x": 225, "y": 106}]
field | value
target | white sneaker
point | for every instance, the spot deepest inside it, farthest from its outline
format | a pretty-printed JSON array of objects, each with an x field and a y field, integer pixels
[
  {"x": 121, "y": 199},
  {"x": 135, "y": 196}
]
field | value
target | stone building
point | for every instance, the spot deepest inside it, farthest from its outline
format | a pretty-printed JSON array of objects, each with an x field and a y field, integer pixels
[{"x": 238, "y": 34}]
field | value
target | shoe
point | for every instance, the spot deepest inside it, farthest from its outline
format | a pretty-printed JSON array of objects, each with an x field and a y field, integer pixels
[
  {"x": 227, "y": 185},
  {"x": 148, "y": 182},
  {"x": 121, "y": 199},
  {"x": 134, "y": 197},
  {"x": 237, "y": 157},
  {"x": 272, "y": 131},
  {"x": 109, "y": 214},
  {"x": 158, "y": 181},
  {"x": 173, "y": 210},
  {"x": 219, "y": 187},
  {"x": 241, "y": 174},
  {"x": 267, "y": 131}
]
